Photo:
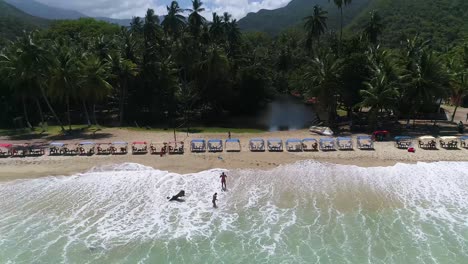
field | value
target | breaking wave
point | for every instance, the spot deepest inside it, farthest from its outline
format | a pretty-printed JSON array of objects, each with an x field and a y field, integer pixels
[{"x": 308, "y": 212}]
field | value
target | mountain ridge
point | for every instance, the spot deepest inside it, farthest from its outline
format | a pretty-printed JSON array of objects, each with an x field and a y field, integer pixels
[
  {"x": 276, "y": 20},
  {"x": 14, "y": 21},
  {"x": 41, "y": 10}
]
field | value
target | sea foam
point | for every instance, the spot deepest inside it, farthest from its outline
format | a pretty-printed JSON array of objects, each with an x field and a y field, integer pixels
[{"x": 301, "y": 213}]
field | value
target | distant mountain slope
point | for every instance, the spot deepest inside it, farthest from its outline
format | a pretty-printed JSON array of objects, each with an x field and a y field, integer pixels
[
  {"x": 49, "y": 12},
  {"x": 274, "y": 21},
  {"x": 13, "y": 21},
  {"x": 443, "y": 21},
  {"x": 41, "y": 10}
]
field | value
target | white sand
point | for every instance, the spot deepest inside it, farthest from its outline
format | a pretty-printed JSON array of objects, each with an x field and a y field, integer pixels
[{"x": 385, "y": 154}]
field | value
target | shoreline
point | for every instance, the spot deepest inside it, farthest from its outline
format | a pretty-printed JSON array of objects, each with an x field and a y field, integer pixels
[{"x": 384, "y": 155}]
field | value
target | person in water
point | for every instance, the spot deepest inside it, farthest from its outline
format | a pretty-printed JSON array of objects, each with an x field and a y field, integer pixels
[
  {"x": 223, "y": 181},
  {"x": 177, "y": 197},
  {"x": 215, "y": 198}
]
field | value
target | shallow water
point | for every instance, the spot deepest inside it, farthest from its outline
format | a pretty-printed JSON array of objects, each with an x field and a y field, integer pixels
[{"x": 303, "y": 213}]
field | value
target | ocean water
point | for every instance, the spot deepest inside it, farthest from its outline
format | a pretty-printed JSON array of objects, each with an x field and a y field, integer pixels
[{"x": 307, "y": 212}]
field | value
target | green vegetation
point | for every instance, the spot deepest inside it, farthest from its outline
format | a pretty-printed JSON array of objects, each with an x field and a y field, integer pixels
[
  {"x": 443, "y": 22},
  {"x": 13, "y": 22},
  {"x": 275, "y": 21},
  {"x": 187, "y": 71}
]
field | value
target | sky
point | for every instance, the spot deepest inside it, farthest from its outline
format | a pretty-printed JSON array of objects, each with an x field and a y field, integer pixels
[{"x": 130, "y": 8}]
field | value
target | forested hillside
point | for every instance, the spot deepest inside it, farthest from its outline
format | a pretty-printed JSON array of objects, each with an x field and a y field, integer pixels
[
  {"x": 445, "y": 22},
  {"x": 13, "y": 22},
  {"x": 274, "y": 21}
]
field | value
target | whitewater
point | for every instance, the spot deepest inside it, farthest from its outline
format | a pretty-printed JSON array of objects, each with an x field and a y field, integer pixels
[{"x": 308, "y": 212}]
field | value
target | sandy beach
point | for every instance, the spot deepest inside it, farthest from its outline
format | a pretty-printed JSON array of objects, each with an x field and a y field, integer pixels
[{"x": 385, "y": 154}]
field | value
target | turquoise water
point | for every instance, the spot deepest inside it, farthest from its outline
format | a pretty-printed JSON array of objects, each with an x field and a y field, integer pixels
[{"x": 308, "y": 212}]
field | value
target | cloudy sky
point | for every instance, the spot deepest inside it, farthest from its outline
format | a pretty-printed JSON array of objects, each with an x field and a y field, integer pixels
[{"x": 130, "y": 8}]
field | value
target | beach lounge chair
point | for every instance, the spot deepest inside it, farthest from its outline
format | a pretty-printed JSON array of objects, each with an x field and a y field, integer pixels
[
  {"x": 215, "y": 145},
  {"x": 176, "y": 147},
  {"x": 103, "y": 148},
  {"x": 275, "y": 145},
  {"x": 57, "y": 148},
  {"x": 365, "y": 143},
  {"x": 403, "y": 142},
  {"x": 232, "y": 145},
  {"x": 427, "y": 142},
  {"x": 257, "y": 145},
  {"x": 119, "y": 148},
  {"x": 449, "y": 142},
  {"x": 309, "y": 144},
  {"x": 464, "y": 141},
  {"x": 139, "y": 148},
  {"x": 19, "y": 150},
  {"x": 294, "y": 145},
  {"x": 198, "y": 146},
  {"x": 159, "y": 148},
  {"x": 344, "y": 143},
  {"x": 5, "y": 150},
  {"x": 327, "y": 144},
  {"x": 86, "y": 148},
  {"x": 35, "y": 149}
]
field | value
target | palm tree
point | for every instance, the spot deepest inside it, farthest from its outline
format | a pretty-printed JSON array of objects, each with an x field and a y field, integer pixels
[
  {"x": 122, "y": 69},
  {"x": 427, "y": 80},
  {"x": 374, "y": 27},
  {"x": 381, "y": 93},
  {"x": 195, "y": 19},
  {"x": 233, "y": 35},
  {"x": 315, "y": 25},
  {"x": 64, "y": 74},
  {"x": 216, "y": 28},
  {"x": 324, "y": 80},
  {"x": 136, "y": 26},
  {"x": 12, "y": 70},
  {"x": 26, "y": 66},
  {"x": 340, "y": 4},
  {"x": 174, "y": 22},
  {"x": 151, "y": 28},
  {"x": 458, "y": 84},
  {"x": 93, "y": 81}
]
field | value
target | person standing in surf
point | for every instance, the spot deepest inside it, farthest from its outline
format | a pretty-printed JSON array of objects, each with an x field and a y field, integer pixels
[
  {"x": 215, "y": 198},
  {"x": 223, "y": 181}
]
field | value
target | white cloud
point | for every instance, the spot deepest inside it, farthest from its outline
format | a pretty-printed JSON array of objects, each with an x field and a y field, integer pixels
[{"x": 130, "y": 8}]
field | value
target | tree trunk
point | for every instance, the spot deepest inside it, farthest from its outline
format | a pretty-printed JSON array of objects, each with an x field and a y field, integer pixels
[
  {"x": 123, "y": 96},
  {"x": 41, "y": 114},
  {"x": 68, "y": 113},
  {"x": 94, "y": 115},
  {"x": 51, "y": 109},
  {"x": 25, "y": 112},
  {"x": 454, "y": 112},
  {"x": 341, "y": 31},
  {"x": 85, "y": 108}
]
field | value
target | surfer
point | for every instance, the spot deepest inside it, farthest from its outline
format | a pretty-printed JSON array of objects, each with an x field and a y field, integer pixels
[
  {"x": 215, "y": 198},
  {"x": 223, "y": 181},
  {"x": 177, "y": 197}
]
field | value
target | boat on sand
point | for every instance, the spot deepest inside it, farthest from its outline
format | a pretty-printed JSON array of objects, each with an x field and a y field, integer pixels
[{"x": 326, "y": 131}]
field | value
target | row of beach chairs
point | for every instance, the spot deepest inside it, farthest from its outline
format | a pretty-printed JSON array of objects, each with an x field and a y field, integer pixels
[
  {"x": 310, "y": 144},
  {"x": 218, "y": 145},
  {"x": 89, "y": 148},
  {"x": 430, "y": 142}
]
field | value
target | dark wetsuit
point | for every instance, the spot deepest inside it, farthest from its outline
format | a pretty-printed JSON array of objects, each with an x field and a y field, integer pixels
[{"x": 214, "y": 200}]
